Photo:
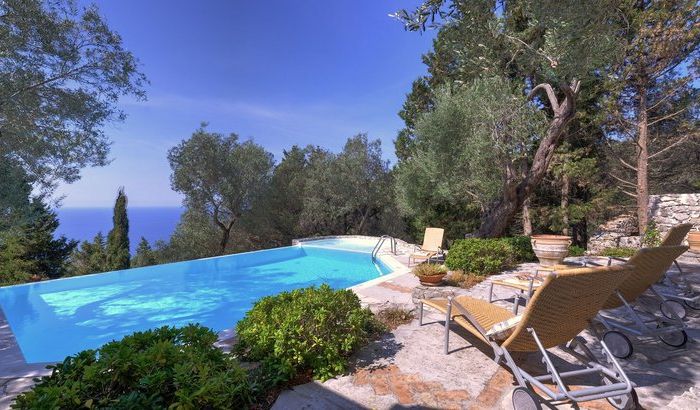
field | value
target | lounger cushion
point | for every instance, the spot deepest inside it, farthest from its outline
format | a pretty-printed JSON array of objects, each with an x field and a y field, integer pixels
[{"x": 501, "y": 330}]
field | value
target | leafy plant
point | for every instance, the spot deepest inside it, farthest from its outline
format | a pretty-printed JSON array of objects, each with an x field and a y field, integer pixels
[
  {"x": 166, "y": 367},
  {"x": 652, "y": 236},
  {"x": 521, "y": 248},
  {"x": 480, "y": 256},
  {"x": 619, "y": 252},
  {"x": 576, "y": 251},
  {"x": 429, "y": 269},
  {"x": 312, "y": 329}
]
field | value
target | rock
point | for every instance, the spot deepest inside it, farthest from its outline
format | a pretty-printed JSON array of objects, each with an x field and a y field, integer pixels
[{"x": 434, "y": 292}]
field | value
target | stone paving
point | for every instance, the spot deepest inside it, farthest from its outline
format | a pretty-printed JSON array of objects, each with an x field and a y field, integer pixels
[{"x": 407, "y": 368}]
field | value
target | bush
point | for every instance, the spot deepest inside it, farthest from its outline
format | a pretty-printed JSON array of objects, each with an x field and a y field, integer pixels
[
  {"x": 161, "y": 368},
  {"x": 576, "y": 251},
  {"x": 619, "y": 252},
  {"x": 428, "y": 269},
  {"x": 480, "y": 256},
  {"x": 312, "y": 329},
  {"x": 521, "y": 248},
  {"x": 652, "y": 236}
]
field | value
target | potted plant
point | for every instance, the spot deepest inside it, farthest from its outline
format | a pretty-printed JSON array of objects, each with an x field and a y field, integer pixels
[
  {"x": 550, "y": 249},
  {"x": 694, "y": 241},
  {"x": 430, "y": 274}
]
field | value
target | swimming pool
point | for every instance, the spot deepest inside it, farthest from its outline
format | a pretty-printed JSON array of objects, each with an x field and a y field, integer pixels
[{"x": 54, "y": 319}]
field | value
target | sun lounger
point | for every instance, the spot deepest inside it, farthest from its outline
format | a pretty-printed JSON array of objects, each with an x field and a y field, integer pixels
[
  {"x": 559, "y": 310},
  {"x": 639, "y": 317},
  {"x": 432, "y": 246}
]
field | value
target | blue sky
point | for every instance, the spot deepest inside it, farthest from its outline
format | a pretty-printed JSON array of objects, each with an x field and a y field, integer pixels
[{"x": 279, "y": 72}]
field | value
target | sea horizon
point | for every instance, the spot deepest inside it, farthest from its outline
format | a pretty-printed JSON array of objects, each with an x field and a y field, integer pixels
[{"x": 151, "y": 222}]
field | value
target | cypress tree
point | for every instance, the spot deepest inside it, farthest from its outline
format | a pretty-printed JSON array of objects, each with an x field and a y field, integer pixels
[{"x": 118, "y": 256}]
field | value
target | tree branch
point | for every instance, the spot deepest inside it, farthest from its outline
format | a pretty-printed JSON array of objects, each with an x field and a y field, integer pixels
[
  {"x": 665, "y": 117},
  {"x": 552, "y": 62},
  {"x": 628, "y": 193},
  {"x": 624, "y": 182},
  {"x": 675, "y": 144},
  {"x": 550, "y": 94}
]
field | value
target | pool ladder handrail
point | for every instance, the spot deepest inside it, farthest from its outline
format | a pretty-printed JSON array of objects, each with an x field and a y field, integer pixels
[{"x": 379, "y": 244}]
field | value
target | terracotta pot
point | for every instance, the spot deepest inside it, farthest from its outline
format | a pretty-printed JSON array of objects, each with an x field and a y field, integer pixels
[
  {"x": 694, "y": 241},
  {"x": 550, "y": 249},
  {"x": 432, "y": 280}
]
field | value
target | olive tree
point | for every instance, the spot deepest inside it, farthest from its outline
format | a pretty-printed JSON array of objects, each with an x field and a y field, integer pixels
[
  {"x": 220, "y": 177},
  {"x": 62, "y": 72}
]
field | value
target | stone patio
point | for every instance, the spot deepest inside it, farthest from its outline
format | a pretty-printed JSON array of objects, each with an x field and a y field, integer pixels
[{"x": 407, "y": 368}]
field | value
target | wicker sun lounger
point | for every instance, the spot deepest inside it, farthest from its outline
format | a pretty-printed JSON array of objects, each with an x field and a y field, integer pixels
[
  {"x": 681, "y": 292},
  {"x": 559, "y": 310},
  {"x": 639, "y": 317}
]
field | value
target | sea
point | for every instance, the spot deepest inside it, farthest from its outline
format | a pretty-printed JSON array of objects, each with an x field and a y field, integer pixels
[{"x": 152, "y": 223}]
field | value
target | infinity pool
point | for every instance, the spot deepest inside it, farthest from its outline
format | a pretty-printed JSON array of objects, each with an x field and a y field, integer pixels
[{"x": 53, "y": 319}]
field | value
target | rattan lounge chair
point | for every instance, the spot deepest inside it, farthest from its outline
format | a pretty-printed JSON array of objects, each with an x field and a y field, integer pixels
[
  {"x": 560, "y": 309},
  {"x": 432, "y": 246},
  {"x": 681, "y": 292},
  {"x": 636, "y": 295}
]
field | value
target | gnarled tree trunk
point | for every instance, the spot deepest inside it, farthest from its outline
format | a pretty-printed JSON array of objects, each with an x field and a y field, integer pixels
[{"x": 501, "y": 213}]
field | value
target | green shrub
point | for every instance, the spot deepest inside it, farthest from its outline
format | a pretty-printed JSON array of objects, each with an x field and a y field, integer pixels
[
  {"x": 576, "y": 251},
  {"x": 619, "y": 252},
  {"x": 480, "y": 256},
  {"x": 521, "y": 248},
  {"x": 161, "y": 368},
  {"x": 429, "y": 269},
  {"x": 652, "y": 236},
  {"x": 306, "y": 329}
]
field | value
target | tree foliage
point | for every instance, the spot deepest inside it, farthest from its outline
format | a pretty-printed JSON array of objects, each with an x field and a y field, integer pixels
[
  {"x": 475, "y": 139},
  {"x": 651, "y": 105},
  {"x": 62, "y": 71},
  {"x": 118, "y": 256},
  {"x": 29, "y": 251},
  {"x": 220, "y": 177}
]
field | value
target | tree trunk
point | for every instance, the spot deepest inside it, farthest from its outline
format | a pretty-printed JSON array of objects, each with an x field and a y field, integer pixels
[
  {"x": 501, "y": 213},
  {"x": 527, "y": 222},
  {"x": 225, "y": 235},
  {"x": 642, "y": 162},
  {"x": 565, "y": 204}
]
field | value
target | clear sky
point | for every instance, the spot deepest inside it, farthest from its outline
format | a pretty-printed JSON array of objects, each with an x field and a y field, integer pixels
[{"x": 280, "y": 72}]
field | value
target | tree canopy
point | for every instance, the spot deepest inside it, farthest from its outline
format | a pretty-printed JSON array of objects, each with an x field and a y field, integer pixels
[{"x": 62, "y": 70}]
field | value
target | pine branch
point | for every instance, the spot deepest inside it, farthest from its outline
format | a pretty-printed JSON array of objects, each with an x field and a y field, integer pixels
[
  {"x": 665, "y": 117},
  {"x": 675, "y": 144}
]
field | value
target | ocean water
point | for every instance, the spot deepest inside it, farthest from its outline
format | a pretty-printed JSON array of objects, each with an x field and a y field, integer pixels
[{"x": 153, "y": 223}]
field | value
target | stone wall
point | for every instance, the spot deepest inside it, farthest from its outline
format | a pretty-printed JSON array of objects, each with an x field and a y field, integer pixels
[
  {"x": 665, "y": 210},
  {"x": 620, "y": 232},
  {"x": 673, "y": 209}
]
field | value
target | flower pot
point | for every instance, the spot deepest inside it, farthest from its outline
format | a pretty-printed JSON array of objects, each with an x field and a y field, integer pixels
[
  {"x": 694, "y": 241},
  {"x": 432, "y": 280},
  {"x": 550, "y": 249}
]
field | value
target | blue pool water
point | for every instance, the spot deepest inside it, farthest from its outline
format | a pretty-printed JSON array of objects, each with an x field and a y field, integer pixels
[{"x": 57, "y": 318}]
